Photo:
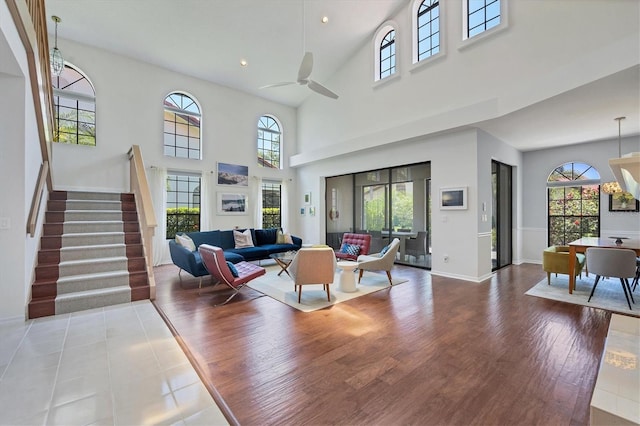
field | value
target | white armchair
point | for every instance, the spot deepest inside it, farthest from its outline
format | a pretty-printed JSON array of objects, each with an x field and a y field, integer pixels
[
  {"x": 313, "y": 265},
  {"x": 377, "y": 262}
]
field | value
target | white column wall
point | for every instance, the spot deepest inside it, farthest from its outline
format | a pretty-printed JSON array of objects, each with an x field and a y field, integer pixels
[{"x": 20, "y": 161}]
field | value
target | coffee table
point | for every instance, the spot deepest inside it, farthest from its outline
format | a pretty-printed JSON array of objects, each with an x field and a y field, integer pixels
[
  {"x": 283, "y": 260},
  {"x": 347, "y": 283}
]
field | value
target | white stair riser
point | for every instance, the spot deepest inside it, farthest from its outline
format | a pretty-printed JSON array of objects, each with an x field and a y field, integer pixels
[
  {"x": 93, "y": 205},
  {"x": 90, "y": 300},
  {"x": 92, "y": 215},
  {"x": 91, "y": 227},
  {"x": 74, "y": 284},
  {"x": 92, "y": 252},
  {"x": 68, "y": 269}
]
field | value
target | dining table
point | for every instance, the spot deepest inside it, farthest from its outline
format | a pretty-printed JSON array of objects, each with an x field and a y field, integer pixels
[{"x": 581, "y": 245}]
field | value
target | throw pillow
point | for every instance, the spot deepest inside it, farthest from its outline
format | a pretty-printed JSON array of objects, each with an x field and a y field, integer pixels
[
  {"x": 288, "y": 239},
  {"x": 351, "y": 249},
  {"x": 280, "y": 237},
  {"x": 186, "y": 242},
  {"x": 243, "y": 239},
  {"x": 233, "y": 269},
  {"x": 384, "y": 250}
]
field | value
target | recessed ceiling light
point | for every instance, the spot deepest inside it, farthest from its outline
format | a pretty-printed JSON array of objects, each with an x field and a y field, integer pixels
[
  {"x": 243, "y": 62},
  {"x": 325, "y": 19}
]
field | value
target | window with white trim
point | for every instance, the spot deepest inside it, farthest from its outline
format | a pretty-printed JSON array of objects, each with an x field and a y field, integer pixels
[
  {"x": 385, "y": 52},
  {"x": 427, "y": 21},
  {"x": 269, "y": 142},
  {"x": 74, "y": 103},
  {"x": 183, "y": 203},
  {"x": 271, "y": 204},
  {"x": 181, "y": 126},
  {"x": 481, "y": 15}
]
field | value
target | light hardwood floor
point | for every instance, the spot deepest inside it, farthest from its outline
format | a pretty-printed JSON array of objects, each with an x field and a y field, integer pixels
[{"x": 431, "y": 351}]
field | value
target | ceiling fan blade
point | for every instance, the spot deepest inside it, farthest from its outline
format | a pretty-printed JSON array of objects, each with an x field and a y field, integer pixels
[
  {"x": 319, "y": 88},
  {"x": 306, "y": 66},
  {"x": 286, "y": 83}
]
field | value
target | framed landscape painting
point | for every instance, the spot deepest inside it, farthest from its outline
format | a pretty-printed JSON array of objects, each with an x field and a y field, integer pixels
[
  {"x": 453, "y": 198},
  {"x": 230, "y": 203},
  {"x": 623, "y": 202},
  {"x": 233, "y": 174}
]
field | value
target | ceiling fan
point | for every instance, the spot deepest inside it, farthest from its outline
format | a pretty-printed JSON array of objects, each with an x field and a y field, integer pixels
[{"x": 303, "y": 78}]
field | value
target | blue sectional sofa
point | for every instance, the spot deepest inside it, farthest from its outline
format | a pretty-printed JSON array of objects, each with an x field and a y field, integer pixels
[{"x": 264, "y": 241}]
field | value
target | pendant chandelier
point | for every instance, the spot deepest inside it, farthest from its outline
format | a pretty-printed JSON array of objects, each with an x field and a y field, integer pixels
[
  {"x": 55, "y": 57},
  {"x": 614, "y": 187}
]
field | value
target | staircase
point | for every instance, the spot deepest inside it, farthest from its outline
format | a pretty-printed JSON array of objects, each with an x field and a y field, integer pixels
[{"x": 91, "y": 254}]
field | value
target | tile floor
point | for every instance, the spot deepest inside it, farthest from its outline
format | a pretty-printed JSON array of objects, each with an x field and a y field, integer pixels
[{"x": 118, "y": 365}]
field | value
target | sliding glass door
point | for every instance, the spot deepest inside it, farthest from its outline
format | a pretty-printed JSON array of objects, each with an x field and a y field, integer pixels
[{"x": 387, "y": 204}]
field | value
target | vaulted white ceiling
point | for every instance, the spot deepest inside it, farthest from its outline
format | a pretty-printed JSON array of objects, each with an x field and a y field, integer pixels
[{"x": 208, "y": 39}]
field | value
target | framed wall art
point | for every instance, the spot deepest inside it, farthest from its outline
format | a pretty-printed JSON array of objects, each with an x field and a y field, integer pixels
[
  {"x": 233, "y": 174},
  {"x": 232, "y": 203},
  {"x": 623, "y": 202},
  {"x": 453, "y": 198}
]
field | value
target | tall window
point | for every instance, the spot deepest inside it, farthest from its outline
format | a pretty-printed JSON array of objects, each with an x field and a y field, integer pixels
[
  {"x": 388, "y": 54},
  {"x": 428, "y": 26},
  {"x": 181, "y": 126},
  {"x": 482, "y": 15},
  {"x": 269, "y": 142},
  {"x": 183, "y": 204},
  {"x": 574, "y": 203},
  {"x": 74, "y": 102},
  {"x": 271, "y": 205}
]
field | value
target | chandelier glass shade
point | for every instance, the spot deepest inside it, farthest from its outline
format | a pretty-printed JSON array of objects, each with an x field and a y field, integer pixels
[
  {"x": 55, "y": 57},
  {"x": 614, "y": 187}
]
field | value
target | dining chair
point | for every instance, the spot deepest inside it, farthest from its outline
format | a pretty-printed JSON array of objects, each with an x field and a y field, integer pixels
[
  {"x": 416, "y": 247},
  {"x": 615, "y": 263}
]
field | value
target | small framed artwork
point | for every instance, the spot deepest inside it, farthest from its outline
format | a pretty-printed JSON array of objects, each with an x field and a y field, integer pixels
[
  {"x": 623, "y": 202},
  {"x": 302, "y": 211},
  {"x": 307, "y": 198},
  {"x": 233, "y": 174},
  {"x": 453, "y": 198},
  {"x": 232, "y": 203},
  {"x": 312, "y": 211}
]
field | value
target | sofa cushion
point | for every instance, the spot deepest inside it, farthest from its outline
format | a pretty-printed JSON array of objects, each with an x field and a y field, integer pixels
[
  {"x": 233, "y": 257},
  {"x": 185, "y": 241},
  {"x": 243, "y": 239},
  {"x": 280, "y": 248},
  {"x": 265, "y": 236},
  {"x": 351, "y": 249}
]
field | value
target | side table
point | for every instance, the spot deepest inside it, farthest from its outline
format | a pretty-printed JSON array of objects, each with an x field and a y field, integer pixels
[{"x": 347, "y": 283}]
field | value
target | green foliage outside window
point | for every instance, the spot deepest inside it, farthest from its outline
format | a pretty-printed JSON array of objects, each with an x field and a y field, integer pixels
[
  {"x": 574, "y": 212},
  {"x": 271, "y": 217},
  {"x": 374, "y": 211},
  {"x": 182, "y": 219}
]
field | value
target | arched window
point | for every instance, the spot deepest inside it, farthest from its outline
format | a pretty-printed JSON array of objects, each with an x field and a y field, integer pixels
[
  {"x": 384, "y": 51},
  {"x": 574, "y": 203},
  {"x": 269, "y": 142},
  {"x": 427, "y": 29},
  {"x": 181, "y": 126},
  {"x": 74, "y": 102},
  {"x": 388, "y": 54},
  {"x": 481, "y": 15}
]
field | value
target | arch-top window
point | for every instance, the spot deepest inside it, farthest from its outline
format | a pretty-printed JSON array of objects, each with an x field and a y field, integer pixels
[
  {"x": 181, "y": 126},
  {"x": 74, "y": 100},
  {"x": 388, "y": 54},
  {"x": 428, "y": 29},
  {"x": 574, "y": 203},
  {"x": 269, "y": 142}
]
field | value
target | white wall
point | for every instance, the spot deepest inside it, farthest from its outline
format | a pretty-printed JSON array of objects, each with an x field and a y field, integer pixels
[
  {"x": 20, "y": 161},
  {"x": 129, "y": 110}
]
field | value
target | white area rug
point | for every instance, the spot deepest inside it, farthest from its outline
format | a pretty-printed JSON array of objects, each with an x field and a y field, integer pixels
[
  {"x": 314, "y": 297},
  {"x": 608, "y": 296}
]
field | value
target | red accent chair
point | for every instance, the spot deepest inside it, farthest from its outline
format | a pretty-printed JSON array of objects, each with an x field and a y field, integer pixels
[
  {"x": 214, "y": 261},
  {"x": 361, "y": 240}
]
